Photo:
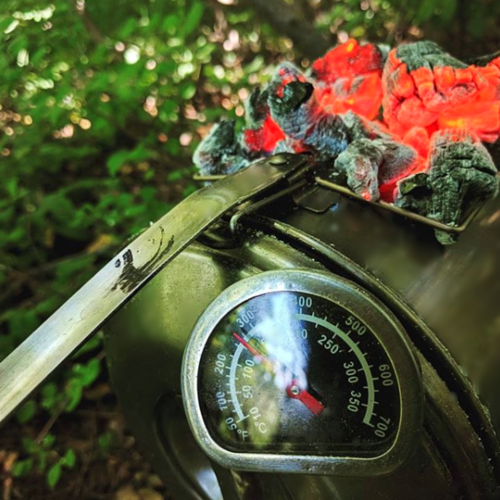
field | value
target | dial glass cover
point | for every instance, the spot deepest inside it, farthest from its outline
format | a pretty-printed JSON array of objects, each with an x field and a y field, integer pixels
[{"x": 294, "y": 372}]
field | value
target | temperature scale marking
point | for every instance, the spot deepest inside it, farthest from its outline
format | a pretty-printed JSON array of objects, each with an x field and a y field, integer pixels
[{"x": 361, "y": 358}]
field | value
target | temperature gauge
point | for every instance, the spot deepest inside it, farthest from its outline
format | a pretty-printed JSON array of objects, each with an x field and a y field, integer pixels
[{"x": 302, "y": 371}]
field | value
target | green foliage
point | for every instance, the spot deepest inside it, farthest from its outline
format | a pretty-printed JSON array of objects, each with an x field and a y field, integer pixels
[
  {"x": 465, "y": 28},
  {"x": 43, "y": 459},
  {"x": 101, "y": 106},
  {"x": 54, "y": 473},
  {"x": 106, "y": 441},
  {"x": 26, "y": 412}
]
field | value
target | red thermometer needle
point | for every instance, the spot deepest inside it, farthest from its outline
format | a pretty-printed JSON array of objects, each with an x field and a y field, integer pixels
[
  {"x": 254, "y": 351},
  {"x": 306, "y": 398}
]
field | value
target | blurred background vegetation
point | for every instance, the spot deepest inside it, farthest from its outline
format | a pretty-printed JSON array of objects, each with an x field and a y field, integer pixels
[{"x": 101, "y": 106}]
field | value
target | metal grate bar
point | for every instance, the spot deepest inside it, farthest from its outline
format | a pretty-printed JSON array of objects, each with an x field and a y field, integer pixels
[
  {"x": 380, "y": 204},
  {"x": 400, "y": 211}
]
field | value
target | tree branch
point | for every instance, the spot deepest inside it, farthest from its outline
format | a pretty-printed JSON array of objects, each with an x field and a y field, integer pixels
[
  {"x": 95, "y": 35},
  {"x": 288, "y": 22}
]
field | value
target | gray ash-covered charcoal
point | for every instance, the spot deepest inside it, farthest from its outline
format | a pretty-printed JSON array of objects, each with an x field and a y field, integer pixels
[
  {"x": 220, "y": 152},
  {"x": 295, "y": 109},
  {"x": 368, "y": 164},
  {"x": 360, "y": 163},
  {"x": 461, "y": 175},
  {"x": 256, "y": 107},
  {"x": 404, "y": 127},
  {"x": 289, "y": 102}
]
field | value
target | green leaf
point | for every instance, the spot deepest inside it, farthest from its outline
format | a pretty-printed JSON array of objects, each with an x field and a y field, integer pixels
[
  {"x": 175, "y": 176},
  {"x": 48, "y": 441},
  {"x": 42, "y": 461},
  {"x": 23, "y": 467},
  {"x": 193, "y": 18},
  {"x": 69, "y": 459},
  {"x": 128, "y": 28},
  {"x": 105, "y": 440},
  {"x": 26, "y": 412},
  {"x": 6, "y": 22},
  {"x": 50, "y": 396},
  {"x": 18, "y": 44},
  {"x": 88, "y": 373},
  {"x": 73, "y": 392},
  {"x": 166, "y": 68},
  {"x": 38, "y": 55},
  {"x": 170, "y": 24},
  {"x": 140, "y": 153},
  {"x": 30, "y": 446},
  {"x": 53, "y": 475},
  {"x": 255, "y": 65},
  {"x": 188, "y": 190},
  {"x": 116, "y": 160},
  {"x": 188, "y": 91}
]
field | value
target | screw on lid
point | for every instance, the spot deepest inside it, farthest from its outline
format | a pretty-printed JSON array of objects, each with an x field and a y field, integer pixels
[{"x": 278, "y": 160}]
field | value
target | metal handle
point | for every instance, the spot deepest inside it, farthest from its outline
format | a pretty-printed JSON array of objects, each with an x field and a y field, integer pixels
[{"x": 28, "y": 366}]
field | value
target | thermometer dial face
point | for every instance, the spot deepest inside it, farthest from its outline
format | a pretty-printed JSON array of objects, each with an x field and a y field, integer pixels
[
  {"x": 299, "y": 371},
  {"x": 293, "y": 372}
]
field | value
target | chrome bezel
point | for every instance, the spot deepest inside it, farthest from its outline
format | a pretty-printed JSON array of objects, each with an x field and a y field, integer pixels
[{"x": 370, "y": 310}]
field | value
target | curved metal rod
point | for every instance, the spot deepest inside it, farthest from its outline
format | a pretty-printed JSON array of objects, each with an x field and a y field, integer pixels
[
  {"x": 380, "y": 204},
  {"x": 28, "y": 366}
]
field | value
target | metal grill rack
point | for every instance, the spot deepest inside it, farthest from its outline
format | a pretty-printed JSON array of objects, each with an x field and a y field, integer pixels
[{"x": 331, "y": 186}]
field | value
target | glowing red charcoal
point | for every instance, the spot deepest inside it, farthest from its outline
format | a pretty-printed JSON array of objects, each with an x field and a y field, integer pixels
[
  {"x": 361, "y": 95},
  {"x": 348, "y": 60},
  {"x": 265, "y": 138},
  {"x": 481, "y": 117},
  {"x": 418, "y": 138},
  {"x": 387, "y": 189},
  {"x": 436, "y": 110},
  {"x": 420, "y": 90},
  {"x": 349, "y": 79}
]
